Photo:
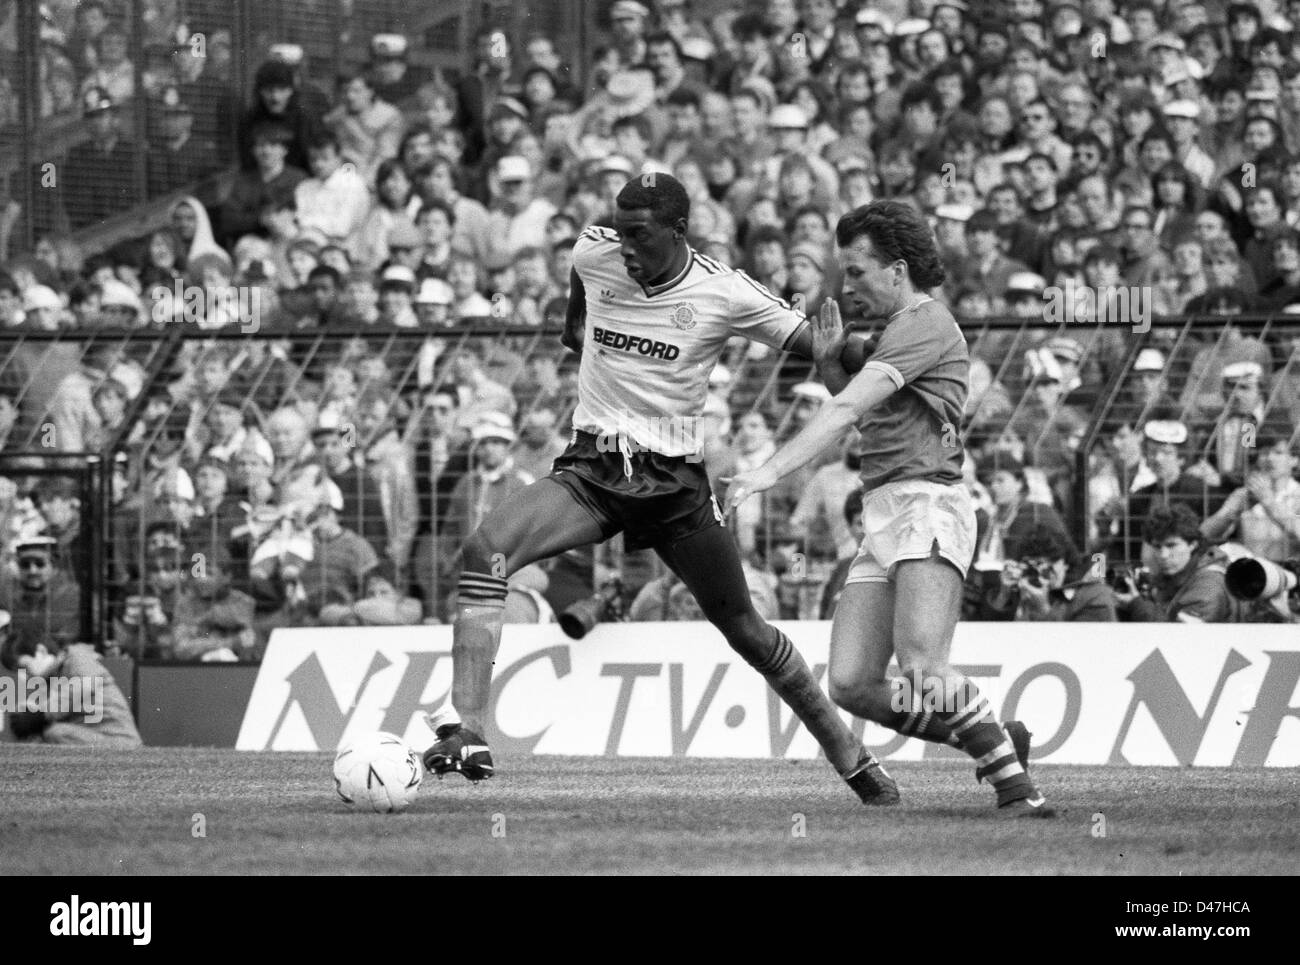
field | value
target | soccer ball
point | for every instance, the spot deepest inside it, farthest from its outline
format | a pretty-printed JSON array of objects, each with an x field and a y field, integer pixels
[{"x": 377, "y": 771}]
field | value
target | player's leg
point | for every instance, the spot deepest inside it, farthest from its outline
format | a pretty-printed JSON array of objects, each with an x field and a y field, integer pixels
[
  {"x": 542, "y": 521},
  {"x": 862, "y": 644},
  {"x": 927, "y": 603},
  {"x": 709, "y": 564}
]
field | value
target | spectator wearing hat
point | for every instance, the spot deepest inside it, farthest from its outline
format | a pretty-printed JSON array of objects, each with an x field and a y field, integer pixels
[
  {"x": 1078, "y": 392},
  {"x": 628, "y": 22},
  {"x": 1146, "y": 391},
  {"x": 43, "y": 309},
  {"x": 391, "y": 75},
  {"x": 43, "y": 601},
  {"x": 276, "y": 97},
  {"x": 340, "y": 558},
  {"x": 94, "y": 179},
  {"x": 433, "y": 304},
  {"x": 333, "y": 203},
  {"x": 268, "y": 186},
  {"x": 516, "y": 218},
  {"x": 1182, "y": 121},
  {"x": 787, "y": 126},
  {"x": 1165, "y": 450},
  {"x": 178, "y": 157},
  {"x": 1231, "y": 433},
  {"x": 493, "y": 479},
  {"x": 369, "y": 130},
  {"x": 396, "y": 297}
]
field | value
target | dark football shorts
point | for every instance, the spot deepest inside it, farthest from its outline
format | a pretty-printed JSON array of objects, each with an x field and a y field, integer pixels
[{"x": 666, "y": 498}]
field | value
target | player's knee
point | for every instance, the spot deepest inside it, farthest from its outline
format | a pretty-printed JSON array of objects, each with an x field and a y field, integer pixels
[
  {"x": 854, "y": 695},
  {"x": 479, "y": 556},
  {"x": 748, "y": 634}
]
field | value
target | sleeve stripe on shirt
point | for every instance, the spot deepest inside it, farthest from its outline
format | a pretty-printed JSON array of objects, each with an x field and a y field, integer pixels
[
  {"x": 894, "y": 375},
  {"x": 710, "y": 263},
  {"x": 599, "y": 233},
  {"x": 699, "y": 260},
  {"x": 762, "y": 290},
  {"x": 785, "y": 347}
]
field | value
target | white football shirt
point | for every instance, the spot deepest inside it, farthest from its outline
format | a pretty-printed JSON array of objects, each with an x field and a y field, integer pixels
[{"x": 648, "y": 353}]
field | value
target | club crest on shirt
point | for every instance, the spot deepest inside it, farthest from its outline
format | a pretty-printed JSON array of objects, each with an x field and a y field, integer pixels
[{"x": 684, "y": 316}]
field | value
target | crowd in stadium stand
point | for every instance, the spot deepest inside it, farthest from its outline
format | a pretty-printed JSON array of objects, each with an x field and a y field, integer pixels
[{"x": 1109, "y": 145}]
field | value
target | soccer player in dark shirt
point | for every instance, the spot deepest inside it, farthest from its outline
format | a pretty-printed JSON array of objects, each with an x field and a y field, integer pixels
[{"x": 903, "y": 593}]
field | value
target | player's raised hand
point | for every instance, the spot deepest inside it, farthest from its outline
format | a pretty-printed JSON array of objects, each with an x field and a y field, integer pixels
[
  {"x": 740, "y": 487},
  {"x": 828, "y": 333}
]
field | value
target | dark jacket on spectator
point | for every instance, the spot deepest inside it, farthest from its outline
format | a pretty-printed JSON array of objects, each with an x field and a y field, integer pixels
[
  {"x": 1082, "y": 599},
  {"x": 300, "y": 118},
  {"x": 1197, "y": 594},
  {"x": 241, "y": 212}
]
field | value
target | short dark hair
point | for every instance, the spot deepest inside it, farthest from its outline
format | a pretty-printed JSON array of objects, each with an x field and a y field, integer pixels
[
  {"x": 663, "y": 194},
  {"x": 664, "y": 37},
  {"x": 897, "y": 232},
  {"x": 750, "y": 25},
  {"x": 322, "y": 139},
  {"x": 1174, "y": 520},
  {"x": 437, "y": 204},
  {"x": 325, "y": 271},
  {"x": 683, "y": 96},
  {"x": 1049, "y": 543}
]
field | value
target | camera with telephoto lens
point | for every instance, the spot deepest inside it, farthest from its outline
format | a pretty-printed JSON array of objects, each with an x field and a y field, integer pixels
[
  {"x": 606, "y": 605},
  {"x": 1253, "y": 579}
]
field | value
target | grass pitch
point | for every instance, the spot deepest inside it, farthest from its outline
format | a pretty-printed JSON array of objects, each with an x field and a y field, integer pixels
[{"x": 73, "y": 811}]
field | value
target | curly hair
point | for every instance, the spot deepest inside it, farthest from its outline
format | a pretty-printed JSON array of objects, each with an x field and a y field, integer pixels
[
  {"x": 1171, "y": 521},
  {"x": 898, "y": 233}
]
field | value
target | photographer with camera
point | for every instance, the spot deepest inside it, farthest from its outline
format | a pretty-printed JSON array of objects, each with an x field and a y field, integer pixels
[
  {"x": 1051, "y": 582},
  {"x": 1187, "y": 585}
]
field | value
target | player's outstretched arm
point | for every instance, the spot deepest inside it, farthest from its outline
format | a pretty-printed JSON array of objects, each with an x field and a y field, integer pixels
[
  {"x": 867, "y": 390},
  {"x": 575, "y": 315}
]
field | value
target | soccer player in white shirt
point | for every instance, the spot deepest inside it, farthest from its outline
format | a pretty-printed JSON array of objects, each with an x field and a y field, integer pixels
[
  {"x": 650, "y": 317},
  {"x": 903, "y": 592}
]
